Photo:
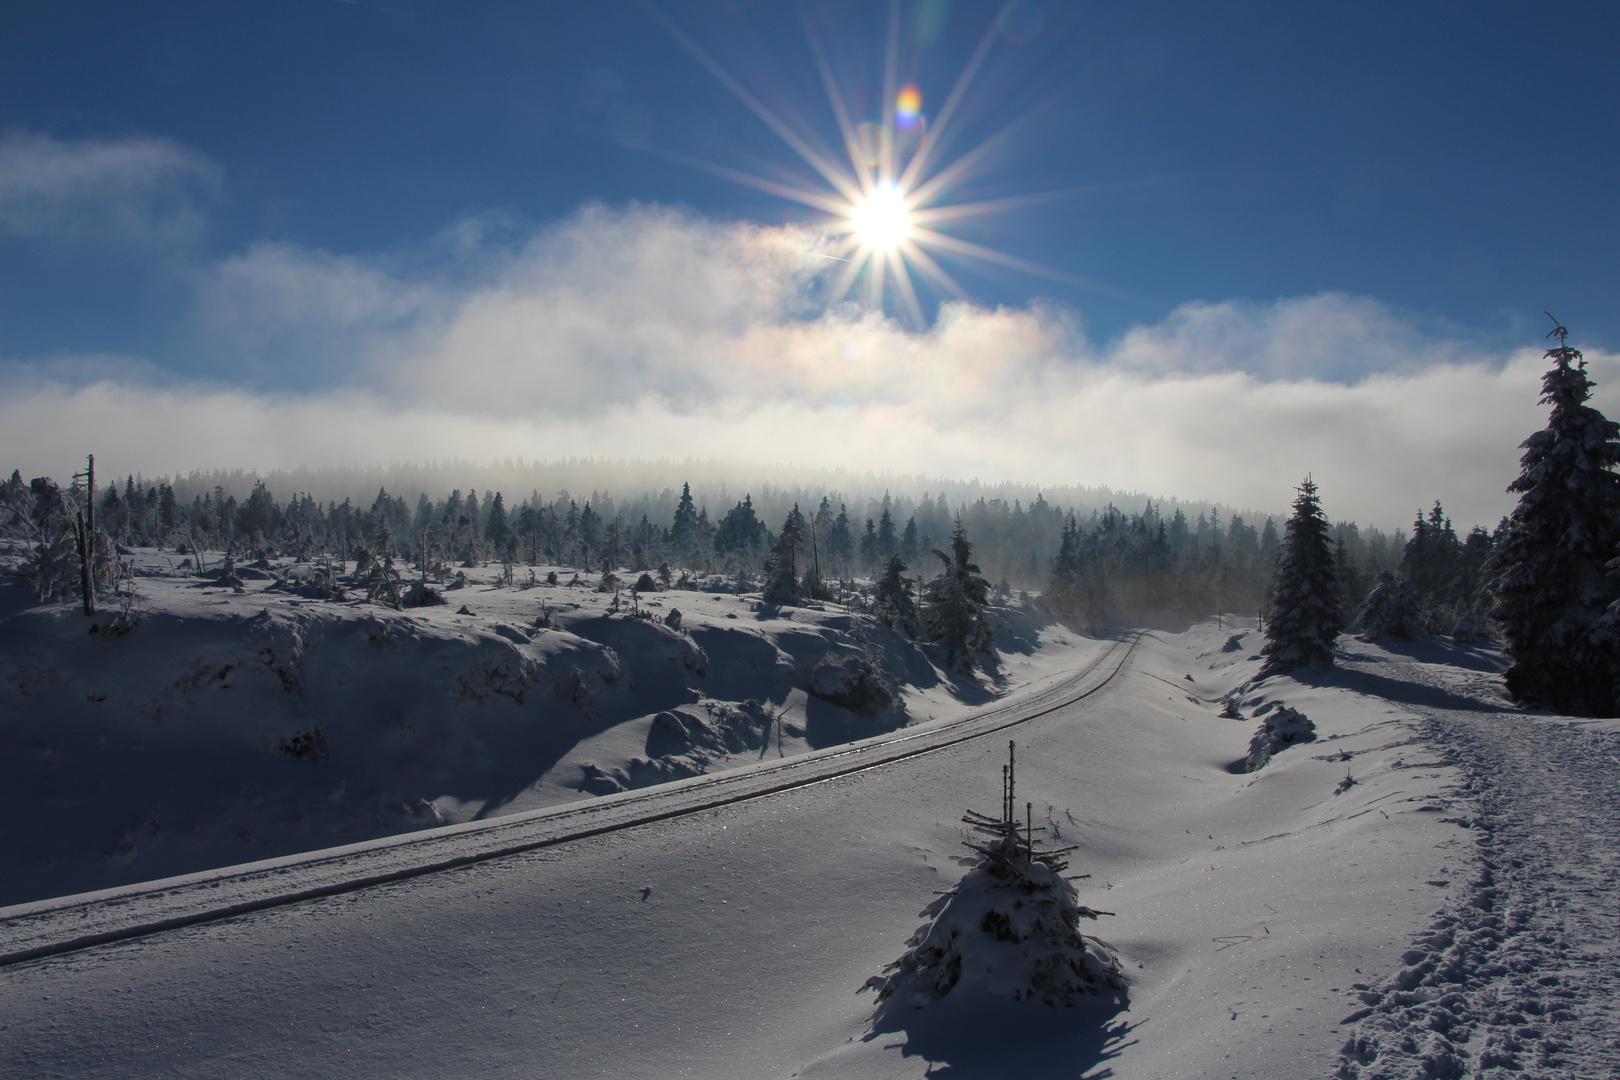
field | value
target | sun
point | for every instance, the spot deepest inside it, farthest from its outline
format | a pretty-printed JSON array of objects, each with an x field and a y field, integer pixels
[
  {"x": 886, "y": 207},
  {"x": 881, "y": 220}
]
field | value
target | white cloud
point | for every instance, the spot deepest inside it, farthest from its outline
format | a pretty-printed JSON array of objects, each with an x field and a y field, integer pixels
[
  {"x": 1329, "y": 336},
  {"x": 649, "y": 333},
  {"x": 141, "y": 191}
]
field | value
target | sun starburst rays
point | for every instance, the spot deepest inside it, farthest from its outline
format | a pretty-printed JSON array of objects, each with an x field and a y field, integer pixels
[{"x": 883, "y": 207}]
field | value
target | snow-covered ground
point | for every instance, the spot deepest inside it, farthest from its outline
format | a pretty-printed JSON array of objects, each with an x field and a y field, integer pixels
[
  {"x": 1431, "y": 855},
  {"x": 196, "y": 722}
]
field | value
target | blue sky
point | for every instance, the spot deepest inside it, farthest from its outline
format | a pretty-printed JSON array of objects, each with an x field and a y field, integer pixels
[{"x": 283, "y": 200}]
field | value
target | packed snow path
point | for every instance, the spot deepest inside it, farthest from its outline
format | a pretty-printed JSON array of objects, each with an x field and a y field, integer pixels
[{"x": 1518, "y": 975}]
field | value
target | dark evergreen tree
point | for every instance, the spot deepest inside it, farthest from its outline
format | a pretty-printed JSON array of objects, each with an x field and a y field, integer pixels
[
  {"x": 590, "y": 536},
  {"x": 869, "y": 548},
  {"x": 1431, "y": 566},
  {"x": 683, "y": 533},
  {"x": 612, "y": 549},
  {"x": 740, "y": 534},
  {"x": 954, "y": 606},
  {"x": 499, "y": 530},
  {"x": 1305, "y": 615},
  {"x": 473, "y": 533},
  {"x": 1063, "y": 588},
  {"x": 781, "y": 568},
  {"x": 891, "y": 598},
  {"x": 841, "y": 544},
  {"x": 887, "y": 541},
  {"x": 1548, "y": 570},
  {"x": 1390, "y": 611},
  {"x": 1270, "y": 549},
  {"x": 909, "y": 541}
]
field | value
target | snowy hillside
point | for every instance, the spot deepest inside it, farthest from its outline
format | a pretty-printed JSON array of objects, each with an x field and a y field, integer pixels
[
  {"x": 200, "y": 722},
  {"x": 1419, "y": 881}
]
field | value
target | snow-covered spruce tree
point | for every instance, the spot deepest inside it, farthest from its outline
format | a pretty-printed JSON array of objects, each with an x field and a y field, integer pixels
[
  {"x": 954, "y": 607},
  {"x": 682, "y": 536},
  {"x": 1063, "y": 588},
  {"x": 891, "y": 598},
  {"x": 1010, "y": 927},
  {"x": 41, "y": 515},
  {"x": 1390, "y": 611},
  {"x": 1305, "y": 618},
  {"x": 781, "y": 567},
  {"x": 1547, "y": 573}
]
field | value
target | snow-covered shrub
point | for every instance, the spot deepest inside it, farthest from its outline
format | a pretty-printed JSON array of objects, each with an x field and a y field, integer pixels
[
  {"x": 673, "y": 619},
  {"x": 308, "y": 745},
  {"x": 39, "y": 514},
  {"x": 422, "y": 594},
  {"x": 1390, "y": 611},
  {"x": 1282, "y": 728},
  {"x": 1467, "y": 629},
  {"x": 853, "y": 682},
  {"x": 1010, "y": 927},
  {"x": 645, "y": 583}
]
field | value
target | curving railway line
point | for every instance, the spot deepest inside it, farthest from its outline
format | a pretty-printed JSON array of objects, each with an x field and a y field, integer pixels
[{"x": 46, "y": 928}]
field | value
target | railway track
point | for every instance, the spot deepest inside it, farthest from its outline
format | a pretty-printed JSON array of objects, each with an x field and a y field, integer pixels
[{"x": 47, "y": 928}]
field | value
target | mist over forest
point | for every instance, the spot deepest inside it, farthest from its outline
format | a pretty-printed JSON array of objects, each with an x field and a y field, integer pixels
[{"x": 1142, "y": 554}]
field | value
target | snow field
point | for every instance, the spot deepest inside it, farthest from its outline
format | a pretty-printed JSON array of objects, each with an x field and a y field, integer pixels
[
  {"x": 731, "y": 944},
  {"x": 238, "y": 724}
]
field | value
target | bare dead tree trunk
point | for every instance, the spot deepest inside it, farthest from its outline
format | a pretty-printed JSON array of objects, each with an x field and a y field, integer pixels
[
  {"x": 84, "y": 531},
  {"x": 86, "y": 576},
  {"x": 90, "y": 504}
]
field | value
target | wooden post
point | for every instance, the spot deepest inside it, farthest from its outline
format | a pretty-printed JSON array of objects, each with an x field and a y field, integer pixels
[
  {"x": 815, "y": 552},
  {"x": 1012, "y": 783},
  {"x": 84, "y": 532},
  {"x": 1029, "y": 829},
  {"x": 86, "y": 578},
  {"x": 90, "y": 517}
]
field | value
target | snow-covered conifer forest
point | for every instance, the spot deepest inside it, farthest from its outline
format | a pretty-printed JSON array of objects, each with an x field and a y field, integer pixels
[{"x": 640, "y": 769}]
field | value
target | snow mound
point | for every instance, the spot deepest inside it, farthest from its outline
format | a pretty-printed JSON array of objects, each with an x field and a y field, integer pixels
[
  {"x": 1281, "y": 729},
  {"x": 854, "y": 682},
  {"x": 680, "y": 743},
  {"x": 422, "y": 594},
  {"x": 1010, "y": 927}
]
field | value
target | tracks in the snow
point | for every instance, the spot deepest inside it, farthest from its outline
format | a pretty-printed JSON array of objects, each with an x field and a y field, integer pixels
[
  {"x": 52, "y": 927},
  {"x": 1516, "y": 976}
]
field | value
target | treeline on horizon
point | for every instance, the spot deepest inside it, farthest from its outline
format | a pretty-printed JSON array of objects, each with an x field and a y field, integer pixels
[{"x": 1090, "y": 562}]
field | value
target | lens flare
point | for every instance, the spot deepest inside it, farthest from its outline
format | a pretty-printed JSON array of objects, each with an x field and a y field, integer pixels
[
  {"x": 908, "y": 107},
  {"x": 881, "y": 220}
]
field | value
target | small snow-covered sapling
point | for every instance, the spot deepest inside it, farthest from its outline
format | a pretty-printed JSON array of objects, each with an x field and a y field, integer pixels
[{"x": 1010, "y": 927}]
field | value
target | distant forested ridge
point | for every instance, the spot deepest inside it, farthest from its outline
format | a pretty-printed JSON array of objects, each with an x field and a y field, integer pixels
[{"x": 1086, "y": 552}]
